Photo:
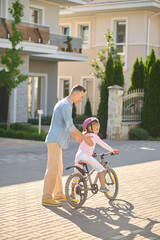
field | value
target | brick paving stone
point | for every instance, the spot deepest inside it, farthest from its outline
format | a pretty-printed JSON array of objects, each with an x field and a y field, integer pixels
[{"x": 133, "y": 215}]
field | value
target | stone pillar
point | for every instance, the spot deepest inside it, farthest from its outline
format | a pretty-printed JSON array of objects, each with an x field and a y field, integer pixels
[{"x": 114, "y": 112}]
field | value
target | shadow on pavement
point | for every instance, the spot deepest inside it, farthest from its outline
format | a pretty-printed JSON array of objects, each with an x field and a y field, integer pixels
[
  {"x": 104, "y": 223},
  {"x": 27, "y": 163}
]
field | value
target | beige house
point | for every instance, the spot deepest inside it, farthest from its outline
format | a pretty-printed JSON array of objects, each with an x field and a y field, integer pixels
[
  {"x": 43, "y": 48},
  {"x": 136, "y": 29}
]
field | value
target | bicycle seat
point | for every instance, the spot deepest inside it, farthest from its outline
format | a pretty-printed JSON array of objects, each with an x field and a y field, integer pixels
[{"x": 82, "y": 162}]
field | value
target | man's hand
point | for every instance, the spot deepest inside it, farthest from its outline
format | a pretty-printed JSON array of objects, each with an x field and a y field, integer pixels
[
  {"x": 88, "y": 140},
  {"x": 78, "y": 139}
]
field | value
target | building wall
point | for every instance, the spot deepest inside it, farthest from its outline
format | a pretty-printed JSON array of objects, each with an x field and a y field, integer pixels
[
  {"x": 25, "y": 17},
  {"x": 19, "y": 99},
  {"x": 49, "y": 68},
  {"x": 21, "y": 96},
  {"x": 51, "y": 14},
  {"x": 99, "y": 23}
]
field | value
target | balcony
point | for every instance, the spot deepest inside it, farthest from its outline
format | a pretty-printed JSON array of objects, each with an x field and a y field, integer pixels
[
  {"x": 66, "y": 43},
  {"x": 41, "y": 35}
]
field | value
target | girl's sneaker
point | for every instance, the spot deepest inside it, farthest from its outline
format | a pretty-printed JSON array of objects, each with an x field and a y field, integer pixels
[
  {"x": 104, "y": 190},
  {"x": 73, "y": 198}
]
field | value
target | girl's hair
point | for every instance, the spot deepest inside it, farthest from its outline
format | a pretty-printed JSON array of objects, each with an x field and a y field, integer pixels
[{"x": 90, "y": 125}]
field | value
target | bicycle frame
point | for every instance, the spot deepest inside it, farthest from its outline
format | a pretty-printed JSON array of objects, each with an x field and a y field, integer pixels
[
  {"x": 76, "y": 193},
  {"x": 89, "y": 173}
]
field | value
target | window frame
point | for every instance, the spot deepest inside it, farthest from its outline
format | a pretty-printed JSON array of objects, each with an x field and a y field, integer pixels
[
  {"x": 0, "y": 8},
  {"x": 36, "y": 7},
  {"x": 113, "y": 27},
  {"x": 45, "y": 78},
  {"x": 61, "y": 79},
  {"x": 4, "y": 9},
  {"x": 78, "y": 25},
  {"x": 83, "y": 83},
  {"x": 62, "y": 26}
]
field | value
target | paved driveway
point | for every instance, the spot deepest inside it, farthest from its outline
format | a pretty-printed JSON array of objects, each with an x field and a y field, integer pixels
[{"x": 135, "y": 214}]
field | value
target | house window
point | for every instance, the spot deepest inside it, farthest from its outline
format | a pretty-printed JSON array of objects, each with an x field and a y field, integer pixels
[
  {"x": 83, "y": 32},
  {"x": 65, "y": 30},
  {"x": 88, "y": 83},
  {"x": 120, "y": 38},
  {"x": 36, "y": 95},
  {"x": 64, "y": 86},
  {"x": 36, "y": 15},
  {"x": 3, "y": 9}
]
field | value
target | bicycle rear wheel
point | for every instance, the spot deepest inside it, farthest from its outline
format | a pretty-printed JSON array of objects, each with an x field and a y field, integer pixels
[
  {"x": 76, "y": 190},
  {"x": 111, "y": 182}
]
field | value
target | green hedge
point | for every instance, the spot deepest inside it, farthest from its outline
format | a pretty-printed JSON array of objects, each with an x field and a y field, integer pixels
[
  {"x": 79, "y": 119},
  {"x": 138, "y": 134},
  {"x": 45, "y": 120},
  {"x": 21, "y": 131}
]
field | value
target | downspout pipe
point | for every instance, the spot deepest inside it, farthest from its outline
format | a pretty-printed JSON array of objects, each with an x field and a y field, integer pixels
[{"x": 148, "y": 30}]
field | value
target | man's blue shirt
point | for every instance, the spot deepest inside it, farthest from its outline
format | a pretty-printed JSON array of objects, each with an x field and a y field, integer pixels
[{"x": 61, "y": 123}]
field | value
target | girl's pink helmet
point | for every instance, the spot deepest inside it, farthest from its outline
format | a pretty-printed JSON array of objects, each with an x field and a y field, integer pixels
[{"x": 88, "y": 121}]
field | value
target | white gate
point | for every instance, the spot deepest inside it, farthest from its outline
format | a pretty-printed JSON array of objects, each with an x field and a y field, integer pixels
[{"x": 132, "y": 106}]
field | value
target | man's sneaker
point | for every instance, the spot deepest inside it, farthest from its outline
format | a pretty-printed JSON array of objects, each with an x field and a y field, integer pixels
[
  {"x": 51, "y": 202},
  {"x": 104, "y": 190},
  {"x": 61, "y": 199},
  {"x": 73, "y": 198}
]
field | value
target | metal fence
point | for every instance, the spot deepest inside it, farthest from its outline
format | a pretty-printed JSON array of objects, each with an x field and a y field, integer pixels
[{"x": 132, "y": 106}]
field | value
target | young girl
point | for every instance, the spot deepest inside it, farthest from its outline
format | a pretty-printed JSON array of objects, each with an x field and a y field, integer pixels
[{"x": 91, "y": 128}]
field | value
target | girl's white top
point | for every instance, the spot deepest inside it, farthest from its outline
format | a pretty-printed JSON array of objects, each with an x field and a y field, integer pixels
[{"x": 89, "y": 149}]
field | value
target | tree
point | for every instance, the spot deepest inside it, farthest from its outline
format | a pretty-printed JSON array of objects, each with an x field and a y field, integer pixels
[
  {"x": 103, "y": 105},
  {"x": 142, "y": 74},
  {"x": 74, "y": 111},
  {"x": 150, "y": 61},
  {"x": 151, "y": 118},
  {"x": 118, "y": 77},
  {"x": 10, "y": 76},
  {"x": 88, "y": 110},
  {"x": 108, "y": 67},
  {"x": 99, "y": 64},
  {"x": 137, "y": 75}
]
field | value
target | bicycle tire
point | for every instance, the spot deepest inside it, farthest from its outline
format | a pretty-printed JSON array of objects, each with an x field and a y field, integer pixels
[
  {"x": 78, "y": 184},
  {"x": 111, "y": 182}
]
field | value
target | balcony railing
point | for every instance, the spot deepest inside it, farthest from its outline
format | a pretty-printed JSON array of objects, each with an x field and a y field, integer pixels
[
  {"x": 66, "y": 43},
  {"x": 41, "y": 34}
]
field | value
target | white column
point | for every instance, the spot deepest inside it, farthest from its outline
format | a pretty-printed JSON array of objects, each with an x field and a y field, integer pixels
[{"x": 114, "y": 112}]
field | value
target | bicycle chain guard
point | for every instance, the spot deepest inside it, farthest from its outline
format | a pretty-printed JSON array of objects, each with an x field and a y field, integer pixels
[
  {"x": 94, "y": 188},
  {"x": 80, "y": 188}
]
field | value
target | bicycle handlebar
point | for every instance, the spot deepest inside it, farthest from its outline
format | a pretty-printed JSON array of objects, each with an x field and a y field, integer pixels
[{"x": 104, "y": 154}]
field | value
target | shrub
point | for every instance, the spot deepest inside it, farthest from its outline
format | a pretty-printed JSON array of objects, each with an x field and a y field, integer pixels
[
  {"x": 45, "y": 120},
  {"x": 88, "y": 111},
  {"x": 80, "y": 119},
  {"x": 80, "y": 128},
  {"x": 138, "y": 134},
  {"x": 137, "y": 75},
  {"x": 151, "y": 110},
  {"x": 107, "y": 81},
  {"x": 22, "y": 131},
  {"x": 74, "y": 111},
  {"x": 153, "y": 138}
]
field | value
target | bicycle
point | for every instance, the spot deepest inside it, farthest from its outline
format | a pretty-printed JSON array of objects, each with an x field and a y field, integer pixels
[{"x": 80, "y": 183}]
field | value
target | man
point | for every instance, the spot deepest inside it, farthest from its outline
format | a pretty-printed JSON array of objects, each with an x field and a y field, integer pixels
[{"x": 57, "y": 139}]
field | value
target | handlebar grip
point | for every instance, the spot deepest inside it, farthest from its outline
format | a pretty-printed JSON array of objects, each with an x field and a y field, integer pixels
[{"x": 94, "y": 155}]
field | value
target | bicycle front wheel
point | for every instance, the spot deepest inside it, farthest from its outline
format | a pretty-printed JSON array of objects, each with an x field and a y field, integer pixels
[
  {"x": 76, "y": 190},
  {"x": 111, "y": 182}
]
